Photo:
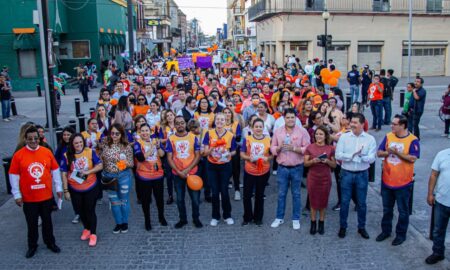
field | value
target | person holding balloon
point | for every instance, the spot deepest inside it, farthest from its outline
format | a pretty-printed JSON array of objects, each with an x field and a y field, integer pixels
[
  {"x": 183, "y": 155},
  {"x": 220, "y": 146},
  {"x": 256, "y": 154}
]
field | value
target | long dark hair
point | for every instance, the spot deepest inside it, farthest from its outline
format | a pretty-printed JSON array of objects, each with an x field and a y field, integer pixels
[
  {"x": 122, "y": 105},
  {"x": 199, "y": 110},
  {"x": 71, "y": 150},
  {"x": 325, "y": 131},
  {"x": 123, "y": 136}
]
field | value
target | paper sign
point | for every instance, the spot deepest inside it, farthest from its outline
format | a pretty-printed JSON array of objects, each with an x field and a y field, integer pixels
[
  {"x": 185, "y": 62},
  {"x": 204, "y": 61}
]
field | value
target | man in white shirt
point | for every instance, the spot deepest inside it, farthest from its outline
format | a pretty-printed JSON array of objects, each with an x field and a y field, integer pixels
[
  {"x": 439, "y": 198},
  {"x": 356, "y": 150},
  {"x": 309, "y": 69},
  {"x": 180, "y": 102}
]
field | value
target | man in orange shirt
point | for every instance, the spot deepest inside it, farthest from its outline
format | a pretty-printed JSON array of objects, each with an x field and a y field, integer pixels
[
  {"x": 31, "y": 173},
  {"x": 375, "y": 96}
]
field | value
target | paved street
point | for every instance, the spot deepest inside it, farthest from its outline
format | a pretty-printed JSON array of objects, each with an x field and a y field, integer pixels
[{"x": 224, "y": 247}]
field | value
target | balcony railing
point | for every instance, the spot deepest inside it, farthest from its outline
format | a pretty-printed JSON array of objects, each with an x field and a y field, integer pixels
[{"x": 267, "y": 8}]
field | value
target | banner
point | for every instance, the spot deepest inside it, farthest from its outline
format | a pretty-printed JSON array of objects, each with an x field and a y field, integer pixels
[
  {"x": 204, "y": 61},
  {"x": 185, "y": 62},
  {"x": 172, "y": 63}
]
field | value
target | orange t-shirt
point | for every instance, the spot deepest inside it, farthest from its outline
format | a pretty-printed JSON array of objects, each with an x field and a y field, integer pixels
[
  {"x": 373, "y": 92},
  {"x": 140, "y": 110},
  {"x": 34, "y": 168}
]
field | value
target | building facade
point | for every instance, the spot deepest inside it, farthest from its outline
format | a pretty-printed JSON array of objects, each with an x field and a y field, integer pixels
[
  {"x": 373, "y": 32},
  {"x": 83, "y": 32}
]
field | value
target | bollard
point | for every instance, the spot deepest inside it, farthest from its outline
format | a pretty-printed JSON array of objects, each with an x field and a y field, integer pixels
[
  {"x": 13, "y": 107},
  {"x": 81, "y": 123},
  {"x": 348, "y": 102},
  {"x": 77, "y": 107},
  {"x": 402, "y": 98},
  {"x": 73, "y": 124},
  {"x": 92, "y": 112},
  {"x": 6, "y": 165},
  {"x": 59, "y": 133},
  {"x": 38, "y": 89}
]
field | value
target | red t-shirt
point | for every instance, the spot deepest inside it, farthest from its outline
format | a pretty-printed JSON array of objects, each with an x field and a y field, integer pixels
[{"x": 34, "y": 168}]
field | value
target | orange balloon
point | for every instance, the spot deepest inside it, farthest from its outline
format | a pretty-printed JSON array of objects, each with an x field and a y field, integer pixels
[
  {"x": 326, "y": 80},
  {"x": 336, "y": 74},
  {"x": 215, "y": 47},
  {"x": 333, "y": 82},
  {"x": 325, "y": 72},
  {"x": 209, "y": 50},
  {"x": 173, "y": 51},
  {"x": 194, "y": 182}
]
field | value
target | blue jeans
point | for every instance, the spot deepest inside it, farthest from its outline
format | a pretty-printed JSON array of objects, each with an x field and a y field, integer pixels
[
  {"x": 387, "y": 106},
  {"x": 359, "y": 181},
  {"x": 6, "y": 108},
  {"x": 377, "y": 112},
  {"x": 180, "y": 189},
  {"x": 390, "y": 196},
  {"x": 286, "y": 177},
  {"x": 441, "y": 216},
  {"x": 219, "y": 175},
  {"x": 354, "y": 92},
  {"x": 120, "y": 198}
]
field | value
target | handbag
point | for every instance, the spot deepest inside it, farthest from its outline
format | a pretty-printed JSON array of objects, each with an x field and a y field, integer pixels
[{"x": 109, "y": 183}]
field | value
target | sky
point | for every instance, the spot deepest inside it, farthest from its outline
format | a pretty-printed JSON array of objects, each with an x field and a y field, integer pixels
[{"x": 212, "y": 14}]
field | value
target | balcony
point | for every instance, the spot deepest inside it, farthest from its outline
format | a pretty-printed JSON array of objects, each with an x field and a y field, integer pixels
[
  {"x": 238, "y": 11},
  {"x": 238, "y": 33},
  {"x": 264, "y": 9}
]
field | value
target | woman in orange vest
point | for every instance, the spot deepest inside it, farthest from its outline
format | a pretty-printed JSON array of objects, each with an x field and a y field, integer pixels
[
  {"x": 150, "y": 173},
  {"x": 142, "y": 107},
  {"x": 204, "y": 114},
  {"x": 220, "y": 146},
  {"x": 79, "y": 168},
  {"x": 256, "y": 153}
]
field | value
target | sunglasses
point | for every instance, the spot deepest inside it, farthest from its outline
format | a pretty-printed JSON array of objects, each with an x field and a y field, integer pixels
[{"x": 115, "y": 133}]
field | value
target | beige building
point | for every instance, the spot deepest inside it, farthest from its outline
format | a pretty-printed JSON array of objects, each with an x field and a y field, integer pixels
[{"x": 373, "y": 32}]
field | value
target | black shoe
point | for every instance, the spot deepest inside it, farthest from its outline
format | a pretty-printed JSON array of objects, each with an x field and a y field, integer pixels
[
  {"x": 398, "y": 241},
  {"x": 124, "y": 228},
  {"x": 208, "y": 199},
  {"x": 258, "y": 223},
  {"x": 180, "y": 224},
  {"x": 363, "y": 233},
  {"x": 170, "y": 200},
  {"x": 162, "y": 221},
  {"x": 321, "y": 229},
  {"x": 198, "y": 224},
  {"x": 382, "y": 236},
  {"x": 434, "y": 258},
  {"x": 342, "y": 232},
  {"x": 313, "y": 229},
  {"x": 117, "y": 229},
  {"x": 54, "y": 248},
  {"x": 245, "y": 223},
  {"x": 148, "y": 226},
  {"x": 337, "y": 207},
  {"x": 30, "y": 252}
]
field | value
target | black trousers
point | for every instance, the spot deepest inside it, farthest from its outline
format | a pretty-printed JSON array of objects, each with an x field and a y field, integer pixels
[
  {"x": 146, "y": 188},
  {"x": 236, "y": 167},
  {"x": 34, "y": 210},
  {"x": 84, "y": 204},
  {"x": 84, "y": 88},
  {"x": 257, "y": 184},
  {"x": 447, "y": 126}
]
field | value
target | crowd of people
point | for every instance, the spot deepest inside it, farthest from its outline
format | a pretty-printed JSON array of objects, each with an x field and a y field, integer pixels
[{"x": 154, "y": 127}]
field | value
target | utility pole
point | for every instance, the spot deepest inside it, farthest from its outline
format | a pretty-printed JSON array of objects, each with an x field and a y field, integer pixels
[
  {"x": 47, "y": 70},
  {"x": 130, "y": 31},
  {"x": 409, "y": 40}
]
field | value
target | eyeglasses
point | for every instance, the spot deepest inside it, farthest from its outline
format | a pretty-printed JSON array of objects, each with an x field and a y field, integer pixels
[
  {"x": 31, "y": 139},
  {"x": 115, "y": 133},
  {"x": 140, "y": 99}
]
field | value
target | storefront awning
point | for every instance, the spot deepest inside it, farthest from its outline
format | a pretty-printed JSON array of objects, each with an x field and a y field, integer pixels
[
  {"x": 25, "y": 42},
  {"x": 105, "y": 39},
  {"x": 115, "y": 40},
  {"x": 121, "y": 39}
]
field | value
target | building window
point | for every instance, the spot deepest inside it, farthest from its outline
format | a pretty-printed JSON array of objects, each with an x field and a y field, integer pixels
[
  {"x": 381, "y": 5},
  {"x": 434, "y": 5},
  {"x": 75, "y": 49},
  {"x": 315, "y": 5},
  {"x": 369, "y": 48},
  {"x": 27, "y": 63}
]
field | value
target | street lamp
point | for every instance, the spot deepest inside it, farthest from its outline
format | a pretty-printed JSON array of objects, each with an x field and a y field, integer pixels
[{"x": 326, "y": 16}]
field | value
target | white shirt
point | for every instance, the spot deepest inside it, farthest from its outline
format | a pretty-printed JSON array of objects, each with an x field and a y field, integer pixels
[
  {"x": 268, "y": 124},
  {"x": 349, "y": 144},
  {"x": 280, "y": 122},
  {"x": 441, "y": 164},
  {"x": 309, "y": 69}
]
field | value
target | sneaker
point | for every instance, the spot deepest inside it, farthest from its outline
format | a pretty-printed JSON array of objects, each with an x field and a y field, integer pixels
[
  {"x": 241, "y": 185},
  {"x": 277, "y": 222},
  {"x": 124, "y": 228},
  {"x": 444, "y": 135},
  {"x": 229, "y": 221},
  {"x": 214, "y": 222},
  {"x": 230, "y": 185},
  {"x": 337, "y": 207},
  {"x": 274, "y": 172},
  {"x": 92, "y": 240},
  {"x": 237, "y": 195},
  {"x": 117, "y": 229},
  {"x": 76, "y": 219},
  {"x": 39, "y": 221},
  {"x": 6, "y": 119},
  {"x": 85, "y": 235},
  {"x": 296, "y": 224}
]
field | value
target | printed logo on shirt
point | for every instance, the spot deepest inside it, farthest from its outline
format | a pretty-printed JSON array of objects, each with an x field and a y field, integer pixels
[
  {"x": 394, "y": 159},
  {"x": 41, "y": 186},
  {"x": 153, "y": 156},
  {"x": 204, "y": 122},
  {"x": 257, "y": 149},
  {"x": 36, "y": 170},
  {"x": 81, "y": 164},
  {"x": 182, "y": 148}
]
